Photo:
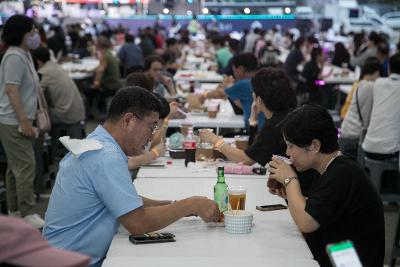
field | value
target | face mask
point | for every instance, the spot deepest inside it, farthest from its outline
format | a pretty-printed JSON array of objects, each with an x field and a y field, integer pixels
[{"x": 33, "y": 42}]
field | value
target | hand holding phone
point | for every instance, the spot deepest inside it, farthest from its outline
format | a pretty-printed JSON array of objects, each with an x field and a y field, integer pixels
[{"x": 271, "y": 207}]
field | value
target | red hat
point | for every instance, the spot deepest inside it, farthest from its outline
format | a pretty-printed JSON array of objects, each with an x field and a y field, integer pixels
[{"x": 22, "y": 245}]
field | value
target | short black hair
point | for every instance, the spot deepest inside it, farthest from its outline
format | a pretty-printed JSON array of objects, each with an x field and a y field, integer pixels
[
  {"x": 218, "y": 40},
  {"x": 299, "y": 42},
  {"x": 383, "y": 48},
  {"x": 140, "y": 79},
  {"x": 394, "y": 63},
  {"x": 133, "y": 99},
  {"x": 171, "y": 41},
  {"x": 315, "y": 52},
  {"x": 374, "y": 37},
  {"x": 15, "y": 29},
  {"x": 273, "y": 86},
  {"x": 234, "y": 44},
  {"x": 148, "y": 61},
  {"x": 165, "y": 109},
  {"x": 310, "y": 122},
  {"x": 129, "y": 38},
  {"x": 246, "y": 60},
  {"x": 371, "y": 65},
  {"x": 42, "y": 54}
]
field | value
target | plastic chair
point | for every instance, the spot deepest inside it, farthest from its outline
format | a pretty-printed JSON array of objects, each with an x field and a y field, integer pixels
[{"x": 375, "y": 169}]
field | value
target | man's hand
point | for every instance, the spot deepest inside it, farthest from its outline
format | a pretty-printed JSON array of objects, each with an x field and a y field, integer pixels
[
  {"x": 208, "y": 137},
  {"x": 206, "y": 209}
]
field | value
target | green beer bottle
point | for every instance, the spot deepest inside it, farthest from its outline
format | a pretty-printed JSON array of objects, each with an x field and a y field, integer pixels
[{"x": 221, "y": 192}]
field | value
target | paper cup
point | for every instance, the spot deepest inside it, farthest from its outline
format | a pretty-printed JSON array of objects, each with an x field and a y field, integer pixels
[{"x": 238, "y": 221}]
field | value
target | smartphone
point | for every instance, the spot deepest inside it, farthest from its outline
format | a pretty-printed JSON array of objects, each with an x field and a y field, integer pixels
[
  {"x": 271, "y": 207},
  {"x": 152, "y": 238},
  {"x": 343, "y": 254}
]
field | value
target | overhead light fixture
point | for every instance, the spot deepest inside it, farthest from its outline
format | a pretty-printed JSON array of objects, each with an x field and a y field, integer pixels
[
  {"x": 246, "y": 10},
  {"x": 189, "y": 12},
  {"x": 205, "y": 10},
  {"x": 165, "y": 11},
  {"x": 288, "y": 10}
]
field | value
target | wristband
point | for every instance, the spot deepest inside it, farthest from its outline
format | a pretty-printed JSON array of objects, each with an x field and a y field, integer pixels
[
  {"x": 219, "y": 143},
  {"x": 165, "y": 124}
]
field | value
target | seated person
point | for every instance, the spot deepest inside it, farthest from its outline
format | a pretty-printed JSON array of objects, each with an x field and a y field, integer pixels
[
  {"x": 359, "y": 112},
  {"x": 130, "y": 55},
  {"x": 154, "y": 67},
  {"x": 171, "y": 55},
  {"x": 108, "y": 76},
  {"x": 239, "y": 90},
  {"x": 94, "y": 193},
  {"x": 383, "y": 136},
  {"x": 222, "y": 53},
  {"x": 63, "y": 98},
  {"x": 340, "y": 201},
  {"x": 274, "y": 97}
]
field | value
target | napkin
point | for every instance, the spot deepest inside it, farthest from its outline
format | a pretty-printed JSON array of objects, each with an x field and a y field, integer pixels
[{"x": 79, "y": 146}]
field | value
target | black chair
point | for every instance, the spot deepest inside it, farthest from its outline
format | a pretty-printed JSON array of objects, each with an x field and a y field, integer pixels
[{"x": 3, "y": 203}]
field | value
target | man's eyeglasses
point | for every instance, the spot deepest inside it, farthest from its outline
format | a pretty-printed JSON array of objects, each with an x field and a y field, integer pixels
[{"x": 152, "y": 126}]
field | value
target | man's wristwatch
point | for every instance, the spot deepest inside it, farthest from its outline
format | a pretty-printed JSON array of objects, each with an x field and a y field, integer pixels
[{"x": 288, "y": 180}]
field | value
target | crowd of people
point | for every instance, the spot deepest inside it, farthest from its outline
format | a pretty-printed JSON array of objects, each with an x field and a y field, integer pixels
[{"x": 328, "y": 193}]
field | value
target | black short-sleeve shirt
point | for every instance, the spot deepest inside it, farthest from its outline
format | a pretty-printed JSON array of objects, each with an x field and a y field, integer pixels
[
  {"x": 269, "y": 140},
  {"x": 347, "y": 207}
]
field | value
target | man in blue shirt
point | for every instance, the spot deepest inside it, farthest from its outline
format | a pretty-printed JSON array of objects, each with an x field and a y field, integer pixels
[
  {"x": 93, "y": 193},
  {"x": 240, "y": 90}
]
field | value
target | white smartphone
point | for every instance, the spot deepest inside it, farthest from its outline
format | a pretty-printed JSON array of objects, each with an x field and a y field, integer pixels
[{"x": 343, "y": 254}]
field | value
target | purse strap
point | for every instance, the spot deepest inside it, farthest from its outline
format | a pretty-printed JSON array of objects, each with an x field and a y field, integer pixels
[{"x": 359, "y": 109}]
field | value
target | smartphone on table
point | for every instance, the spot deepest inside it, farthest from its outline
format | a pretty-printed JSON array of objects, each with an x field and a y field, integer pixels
[
  {"x": 343, "y": 254},
  {"x": 152, "y": 238},
  {"x": 271, "y": 207}
]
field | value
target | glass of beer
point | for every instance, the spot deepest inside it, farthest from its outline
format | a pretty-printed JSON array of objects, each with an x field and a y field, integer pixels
[
  {"x": 237, "y": 197},
  {"x": 242, "y": 141}
]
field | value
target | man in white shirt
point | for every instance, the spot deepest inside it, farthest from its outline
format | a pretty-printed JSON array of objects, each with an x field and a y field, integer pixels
[{"x": 383, "y": 136}]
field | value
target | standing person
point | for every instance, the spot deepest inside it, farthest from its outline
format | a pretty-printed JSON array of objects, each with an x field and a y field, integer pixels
[
  {"x": 18, "y": 104},
  {"x": 294, "y": 59},
  {"x": 93, "y": 193},
  {"x": 341, "y": 203},
  {"x": 370, "y": 50}
]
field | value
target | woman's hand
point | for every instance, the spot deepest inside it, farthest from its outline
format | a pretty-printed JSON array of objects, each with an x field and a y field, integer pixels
[
  {"x": 208, "y": 137},
  {"x": 279, "y": 170},
  {"x": 254, "y": 112}
]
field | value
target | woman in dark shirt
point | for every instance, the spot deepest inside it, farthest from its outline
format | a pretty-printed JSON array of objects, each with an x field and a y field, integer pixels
[
  {"x": 311, "y": 75},
  {"x": 274, "y": 96},
  {"x": 341, "y": 203},
  {"x": 341, "y": 55}
]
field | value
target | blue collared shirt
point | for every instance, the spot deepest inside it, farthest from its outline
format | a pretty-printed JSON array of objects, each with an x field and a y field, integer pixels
[
  {"x": 89, "y": 195},
  {"x": 242, "y": 90}
]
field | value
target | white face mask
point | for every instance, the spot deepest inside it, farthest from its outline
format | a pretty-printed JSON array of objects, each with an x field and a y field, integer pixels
[{"x": 33, "y": 42}]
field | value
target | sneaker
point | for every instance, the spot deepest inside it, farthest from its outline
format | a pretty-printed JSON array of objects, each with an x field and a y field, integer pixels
[
  {"x": 15, "y": 214},
  {"x": 35, "y": 220}
]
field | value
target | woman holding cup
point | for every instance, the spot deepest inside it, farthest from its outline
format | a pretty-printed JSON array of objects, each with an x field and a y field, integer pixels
[
  {"x": 341, "y": 203},
  {"x": 274, "y": 96}
]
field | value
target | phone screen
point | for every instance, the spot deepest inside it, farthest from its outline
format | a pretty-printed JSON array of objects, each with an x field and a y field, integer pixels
[{"x": 343, "y": 254}]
